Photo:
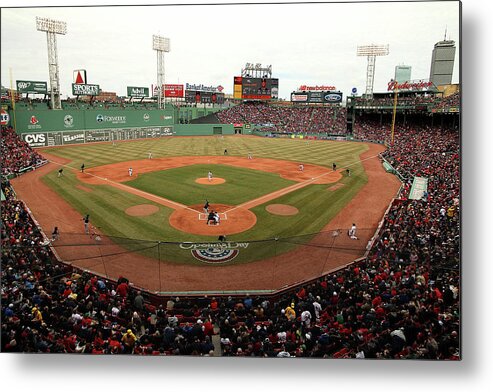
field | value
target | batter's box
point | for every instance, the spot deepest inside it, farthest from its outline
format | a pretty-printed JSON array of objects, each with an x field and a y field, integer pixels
[{"x": 222, "y": 216}]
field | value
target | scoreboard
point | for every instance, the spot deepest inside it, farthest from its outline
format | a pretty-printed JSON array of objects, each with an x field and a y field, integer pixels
[
  {"x": 196, "y": 96},
  {"x": 255, "y": 88}
]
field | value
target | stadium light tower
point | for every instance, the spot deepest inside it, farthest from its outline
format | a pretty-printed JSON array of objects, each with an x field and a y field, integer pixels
[
  {"x": 371, "y": 52},
  {"x": 52, "y": 28},
  {"x": 160, "y": 45}
]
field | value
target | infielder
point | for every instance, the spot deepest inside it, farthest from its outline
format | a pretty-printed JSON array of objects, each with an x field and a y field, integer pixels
[{"x": 130, "y": 171}]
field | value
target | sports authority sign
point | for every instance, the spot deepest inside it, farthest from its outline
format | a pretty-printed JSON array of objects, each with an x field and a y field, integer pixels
[
  {"x": 214, "y": 252},
  {"x": 85, "y": 89}
]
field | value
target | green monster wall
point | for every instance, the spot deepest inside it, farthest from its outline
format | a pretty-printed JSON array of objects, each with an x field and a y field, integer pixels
[{"x": 42, "y": 128}]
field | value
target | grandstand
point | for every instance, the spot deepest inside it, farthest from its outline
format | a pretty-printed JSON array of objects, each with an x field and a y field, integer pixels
[
  {"x": 392, "y": 292},
  {"x": 400, "y": 301}
]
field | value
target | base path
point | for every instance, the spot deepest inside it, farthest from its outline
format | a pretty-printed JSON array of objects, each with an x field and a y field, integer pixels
[
  {"x": 118, "y": 172},
  {"x": 185, "y": 218},
  {"x": 305, "y": 262}
]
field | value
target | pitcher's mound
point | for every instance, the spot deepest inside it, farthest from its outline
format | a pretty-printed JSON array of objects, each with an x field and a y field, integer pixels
[
  {"x": 142, "y": 210},
  {"x": 213, "y": 181},
  {"x": 281, "y": 209}
]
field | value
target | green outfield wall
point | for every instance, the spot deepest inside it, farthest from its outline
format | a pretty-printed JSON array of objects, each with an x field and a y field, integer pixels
[
  {"x": 41, "y": 128},
  {"x": 203, "y": 129},
  {"x": 94, "y": 119}
]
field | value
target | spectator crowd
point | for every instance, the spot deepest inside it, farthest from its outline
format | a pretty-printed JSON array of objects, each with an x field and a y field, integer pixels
[
  {"x": 400, "y": 302},
  {"x": 16, "y": 153},
  {"x": 451, "y": 101},
  {"x": 288, "y": 119}
]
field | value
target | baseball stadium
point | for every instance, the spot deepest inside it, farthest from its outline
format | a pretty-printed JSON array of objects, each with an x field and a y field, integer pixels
[{"x": 182, "y": 220}]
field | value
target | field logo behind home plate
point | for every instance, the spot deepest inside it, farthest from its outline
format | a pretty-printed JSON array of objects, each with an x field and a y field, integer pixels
[{"x": 214, "y": 252}]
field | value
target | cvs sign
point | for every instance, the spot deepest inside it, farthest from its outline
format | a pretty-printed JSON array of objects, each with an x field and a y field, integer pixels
[{"x": 35, "y": 139}]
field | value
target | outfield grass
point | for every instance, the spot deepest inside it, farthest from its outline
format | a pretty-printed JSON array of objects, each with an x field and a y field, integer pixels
[
  {"x": 316, "y": 204},
  {"x": 179, "y": 184},
  {"x": 317, "y": 152}
]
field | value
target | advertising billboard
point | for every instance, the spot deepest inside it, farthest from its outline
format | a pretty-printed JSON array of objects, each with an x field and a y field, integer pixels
[
  {"x": 194, "y": 96},
  {"x": 316, "y": 97},
  {"x": 173, "y": 90},
  {"x": 30, "y": 86},
  {"x": 138, "y": 92}
]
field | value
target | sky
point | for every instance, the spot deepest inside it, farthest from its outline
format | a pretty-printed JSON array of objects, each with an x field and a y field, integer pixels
[{"x": 306, "y": 44}]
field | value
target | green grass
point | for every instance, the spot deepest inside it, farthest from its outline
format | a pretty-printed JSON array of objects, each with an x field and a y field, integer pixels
[
  {"x": 107, "y": 205},
  {"x": 317, "y": 152},
  {"x": 179, "y": 184}
]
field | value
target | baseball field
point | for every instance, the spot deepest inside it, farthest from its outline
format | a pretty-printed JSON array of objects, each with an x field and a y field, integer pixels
[{"x": 270, "y": 210}]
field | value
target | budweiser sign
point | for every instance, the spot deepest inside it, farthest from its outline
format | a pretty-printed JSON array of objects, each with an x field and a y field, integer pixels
[
  {"x": 414, "y": 85},
  {"x": 304, "y": 87}
]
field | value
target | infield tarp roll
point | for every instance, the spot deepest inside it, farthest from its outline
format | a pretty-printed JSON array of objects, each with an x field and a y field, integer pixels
[{"x": 419, "y": 187}]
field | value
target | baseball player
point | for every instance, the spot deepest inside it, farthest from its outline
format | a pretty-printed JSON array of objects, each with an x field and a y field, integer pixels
[
  {"x": 149, "y": 154},
  {"x": 82, "y": 167},
  {"x": 352, "y": 232},
  {"x": 55, "y": 234},
  {"x": 216, "y": 218},
  {"x": 60, "y": 172},
  {"x": 206, "y": 206},
  {"x": 250, "y": 155},
  {"x": 301, "y": 167},
  {"x": 86, "y": 224},
  {"x": 210, "y": 218},
  {"x": 334, "y": 167},
  {"x": 209, "y": 176},
  {"x": 130, "y": 171}
]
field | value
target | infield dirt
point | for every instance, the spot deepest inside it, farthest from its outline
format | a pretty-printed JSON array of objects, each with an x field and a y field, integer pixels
[{"x": 49, "y": 209}]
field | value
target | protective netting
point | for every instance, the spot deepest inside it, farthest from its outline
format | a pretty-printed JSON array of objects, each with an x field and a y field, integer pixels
[{"x": 215, "y": 265}]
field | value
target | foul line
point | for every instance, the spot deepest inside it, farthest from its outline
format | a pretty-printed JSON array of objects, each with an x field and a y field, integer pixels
[
  {"x": 289, "y": 189},
  {"x": 248, "y": 205},
  {"x": 135, "y": 191}
]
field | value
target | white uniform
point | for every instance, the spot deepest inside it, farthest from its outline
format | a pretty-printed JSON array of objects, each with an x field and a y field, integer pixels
[
  {"x": 352, "y": 232},
  {"x": 209, "y": 176},
  {"x": 130, "y": 171}
]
